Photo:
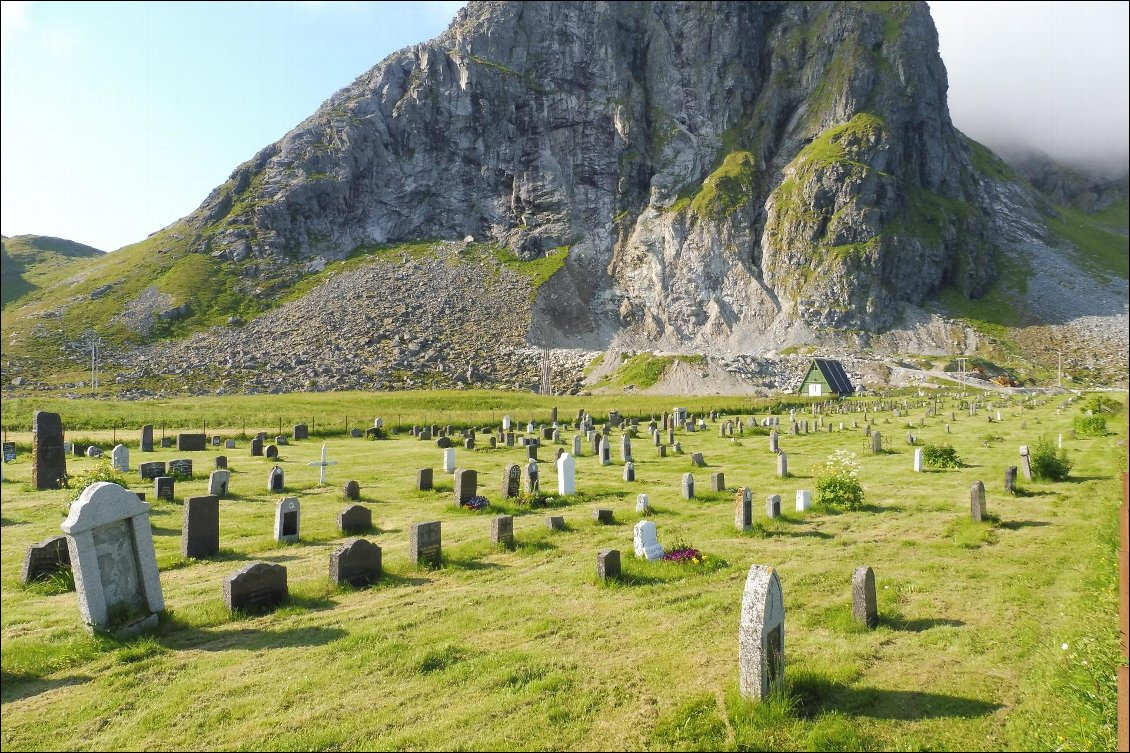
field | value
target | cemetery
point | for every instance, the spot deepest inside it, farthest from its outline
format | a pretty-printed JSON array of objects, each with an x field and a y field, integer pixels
[{"x": 513, "y": 583}]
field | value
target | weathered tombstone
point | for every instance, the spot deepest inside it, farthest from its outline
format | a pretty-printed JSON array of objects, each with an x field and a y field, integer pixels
[
  {"x": 1010, "y": 480},
  {"x": 469, "y": 443},
  {"x": 110, "y": 542},
  {"x": 688, "y": 486},
  {"x": 511, "y": 480},
  {"x": 229, "y": 444},
  {"x": 286, "y": 520},
  {"x": 424, "y": 545},
  {"x": 761, "y": 634},
  {"x": 48, "y": 463},
  {"x": 783, "y": 464},
  {"x": 643, "y": 504},
  {"x": 576, "y": 445},
  {"x": 443, "y": 443},
  {"x": 146, "y": 442},
  {"x": 301, "y": 431},
  {"x": 281, "y": 440},
  {"x": 502, "y": 531},
  {"x": 919, "y": 465},
  {"x": 166, "y": 442},
  {"x": 44, "y": 559},
  {"x": 94, "y": 451},
  {"x": 531, "y": 452},
  {"x": 466, "y": 485},
  {"x": 352, "y": 491},
  {"x": 662, "y": 450},
  {"x": 555, "y": 522},
  {"x": 605, "y": 452},
  {"x": 876, "y": 442},
  {"x": 803, "y": 500},
  {"x": 221, "y": 462},
  {"x": 629, "y": 472},
  {"x": 557, "y": 453},
  {"x": 566, "y": 474},
  {"x": 743, "y": 509},
  {"x": 356, "y": 563},
  {"x": 200, "y": 536},
  {"x": 191, "y": 442},
  {"x": 256, "y": 448},
  {"x": 863, "y": 606},
  {"x": 257, "y": 587},
  {"x": 625, "y": 449},
  {"x": 602, "y": 515},
  {"x": 773, "y": 441},
  {"x": 119, "y": 458},
  {"x": 718, "y": 482},
  {"x": 645, "y": 541},
  {"x": 697, "y": 460},
  {"x": 218, "y": 483},
  {"x": 531, "y": 480},
  {"x": 275, "y": 480},
  {"x": 163, "y": 488},
  {"x": 271, "y": 452},
  {"x": 773, "y": 505},
  {"x": 977, "y": 502},
  {"x": 1025, "y": 462},
  {"x": 423, "y": 479},
  {"x": 355, "y": 519},
  {"x": 608, "y": 564},
  {"x": 151, "y": 470},
  {"x": 180, "y": 469}
]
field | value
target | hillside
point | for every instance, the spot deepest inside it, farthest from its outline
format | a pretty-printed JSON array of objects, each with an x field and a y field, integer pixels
[{"x": 31, "y": 262}]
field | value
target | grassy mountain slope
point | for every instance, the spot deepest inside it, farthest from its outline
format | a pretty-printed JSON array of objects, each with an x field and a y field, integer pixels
[{"x": 32, "y": 262}]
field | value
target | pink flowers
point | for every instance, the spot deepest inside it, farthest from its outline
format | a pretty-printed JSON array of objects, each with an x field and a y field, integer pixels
[{"x": 684, "y": 555}]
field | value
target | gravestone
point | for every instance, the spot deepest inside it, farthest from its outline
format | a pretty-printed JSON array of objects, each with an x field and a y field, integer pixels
[
  {"x": 44, "y": 559},
  {"x": 166, "y": 442},
  {"x": 146, "y": 443},
  {"x": 697, "y": 460},
  {"x": 355, "y": 519},
  {"x": 531, "y": 480},
  {"x": 863, "y": 606},
  {"x": 502, "y": 531},
  {"x": 1025, "y": 462},
  {"x": 423, "y": 479},
  {"x": 217, "y": 441},
  {"x": 180, "y": 469},
  {"x": 424, "y": 545},
  {"x": 761, "y": 634},
  {"x": 977, "y": 502},
  {"x": 275, "y": 480},
  {"x": 743, "y": 509},
  {"x": 608, "y": 564},
  {"x": 163, "y": 488},
  {"x": 94, "y": 451},
  {"x": 547, "y": 433},
  {"x": 151, "y": 470},
  {"x": 191, "y": 442},
  {"x": 218, "y": 483},
  {"x": 629, "y": 472},
  {"x": 492, "y": 442},
  {"x": 257, "y": 587},
  {"x": 281, "y": 440},
  {"x": 605, "y": 452},
  {"x": 200, "y": 535},
  {"x": 773, "y": 505},
  {"x": 356, "y": 563},
  {"x": 229, "y": 444},
  {"x": 351, "y": 491},
  {"x": 466, "y": 485},
  {"x": 221, "y": 462},
  {"x": 555, "y": 522},
  {"x": 773, "y": 441},
  {"x": 602, "y": 515},
  {"x": 566, "y": 474},
  {"x": 576, "y": 445},
  {"x": 625, "y": 449},
  {"x": 256, "y": 448},
  {"x": 876, "y": 442},
  {"x": 110, "y": 542},
  {"x": 688, "y": 486},
  {"x": 643, "y": 504},
  {"x": 511, "y": 480},
  {"x": 1010, "y": 480},
  {"x": 718, "y": 482},
  {"x": 286, "y": 520},
  {"x": 301, "y": 431},
  {"x": 783, "y": 464},
  {"x": 803, "y": 500},
  {"x": 271, "y": 452},
  {"x": 119, "y": 458},
  {"x": 645, "y": 541},
  {"x": 531, "y": 452},
  {"x": 557, "y": 453},
  {"x": 662, "y": 450},
  {"x": 443, "y": 443},
  {"x": 48, "y": 462},
  {"x": 469, "y": 443},
  {"x": 918, "y": 461}
]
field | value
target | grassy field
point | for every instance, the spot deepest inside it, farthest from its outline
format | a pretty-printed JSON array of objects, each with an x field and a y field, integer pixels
[{"x": 1000, "y": 636}]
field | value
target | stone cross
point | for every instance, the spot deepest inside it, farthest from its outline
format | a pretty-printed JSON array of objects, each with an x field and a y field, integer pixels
[
  {"x": 761, "y": 634},
  {"x": 322, "y": 465}
]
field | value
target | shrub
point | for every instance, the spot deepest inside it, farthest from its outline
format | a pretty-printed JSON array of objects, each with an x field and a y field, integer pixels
[
  {"x": 1089, "y": 426},
  {"x": 1048, "y": 463},
  {"x": 940, "y": 456},
  {"x": 1101, "y": 405},
  {"x": 99, "y": 472},
  {"x": 837, "y": 482}
]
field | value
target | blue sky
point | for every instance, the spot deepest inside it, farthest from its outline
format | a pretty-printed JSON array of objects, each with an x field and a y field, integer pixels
[{"x": 119, "y": 118}]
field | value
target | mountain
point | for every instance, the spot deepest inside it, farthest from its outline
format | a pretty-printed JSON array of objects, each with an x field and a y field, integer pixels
[
  {"x": 30, "y": 262},
  {"x": 703, "y": 178}
]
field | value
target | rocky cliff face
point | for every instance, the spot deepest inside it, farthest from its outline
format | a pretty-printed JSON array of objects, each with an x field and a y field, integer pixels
[{"x": 723, "y": 174}]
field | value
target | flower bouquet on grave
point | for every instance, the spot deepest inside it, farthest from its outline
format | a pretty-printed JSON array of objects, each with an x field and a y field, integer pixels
[
  {"x": 478, "y": 503},
  {"x": 685, "y": 554}
]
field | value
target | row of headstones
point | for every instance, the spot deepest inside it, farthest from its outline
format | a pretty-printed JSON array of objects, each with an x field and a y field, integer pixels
[{"x": 190, "y": 442}]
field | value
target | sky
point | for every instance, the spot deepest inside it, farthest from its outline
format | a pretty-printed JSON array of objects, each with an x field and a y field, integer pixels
[{"x": 116, "y": 119}]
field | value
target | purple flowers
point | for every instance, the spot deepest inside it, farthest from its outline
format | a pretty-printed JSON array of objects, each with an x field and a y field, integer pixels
[
  {"x": 478, "y": 503},
  {"x": 684, "y": 555}
]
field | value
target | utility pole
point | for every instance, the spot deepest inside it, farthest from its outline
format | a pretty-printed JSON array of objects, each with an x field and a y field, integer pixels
[
  {"x": 93, "y": 364},
  {"x": 1059, "y": 369}
]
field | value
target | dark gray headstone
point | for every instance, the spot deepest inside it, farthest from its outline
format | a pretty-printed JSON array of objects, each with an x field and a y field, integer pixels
[
  {"x": 200, "y": 536},
  {"x": 424, "y": 545},
  {"x": 423, "y": 479},
  {"x": 256, "y": 448},
  {"x": 466, "y": 485},
  {"x": 48, "y": 461},
  {"x": 45, "y": 559},
  {"x": 443, "y": 443},
  {"x": 1010, "y": 480},
  {"x": 301, "y": 431},
  {"x": 863, "y": 606},
  {"x": 602, "y": 515},
  {"x": 355, "y": 519},
  {"x": 511, "y": 480},
  {"x": 352, "y": 490},
  {"x": 502, "y": 530},
  {"x": 221, "y": 462},
  {"x": 147, "y": 438},
  {"x": 531, "y": 451},
  {"x": 357, "y": 563},
  {"x": 697, "y": 461},
  {"x": 181, "y": 469},
  {"x": 151, "y": 470},
  {"x": 271, "y": 452},
  {"x": 257, "y": 587},
  {"x": 608, "y": 564},
  {"x": 163, "y": 488},
  {"x": 192, "y": 442},
  {"x": 356, "y": 433}
]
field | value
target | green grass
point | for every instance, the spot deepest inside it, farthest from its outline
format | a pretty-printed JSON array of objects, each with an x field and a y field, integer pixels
[
  {"x": 520, "y": 649},
  {"x": 1098, "y": 246},
  {"x": 727, "y": 188},
  {"x": 31, "y": 262}
]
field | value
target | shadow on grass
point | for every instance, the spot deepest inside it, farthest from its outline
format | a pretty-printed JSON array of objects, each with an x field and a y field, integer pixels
[
  {"x": 1084, "y": 479},
  {"x": 251, "y": 638},
  {"x": 897, "y": 621},
  {"x": 7, "y": 522},
  {"x": 879, "y": 508},
  {"x": 1016, "y": 525},
  {"x": 818, "y": 696},
  {"x": 161, "y": 531},
  {"x": 1019, "y": 492},
  {"x": 15, "y": 687}
]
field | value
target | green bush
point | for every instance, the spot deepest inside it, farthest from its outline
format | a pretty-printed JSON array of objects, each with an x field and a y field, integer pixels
[
  {"x": 99, "y": 472},
  {"x": 1048, "y": 463},
  {"x": 941, "y": 456},
  {"x": 1101, "y": 405},
  {"x": 837, "y": 482},
  {"x": 1089, "y": 426}
]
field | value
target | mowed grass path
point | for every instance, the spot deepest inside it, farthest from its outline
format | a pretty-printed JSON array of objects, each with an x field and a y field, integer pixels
[{"x": 524, "y": 650}]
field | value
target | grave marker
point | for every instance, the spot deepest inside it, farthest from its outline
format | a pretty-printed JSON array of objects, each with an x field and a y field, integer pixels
[
  {"x": 286, "y": 520},
  {"x": 761, "y": 634},
  {"x": 200, "y": 535},
  {"x": 356, "y": 563},
  {"x": 257, "y": 587},
  {"x": 863, "y": 606},
  {"x": 424, "y": 544}
]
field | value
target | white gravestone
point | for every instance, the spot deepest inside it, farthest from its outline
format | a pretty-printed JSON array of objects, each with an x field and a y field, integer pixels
[
  {"x": 110, "y": 542},
  {"x": 646, "y": 542},
  {"x": 286, "y": 520},
  {"x": 218, "y": 483},
  {"x": 918, "y": 463},
  {"x": 803, "y": 500},
  {"x": 643, "y": 504},
  {"x": 322, "y": 465},
  {"x": 761, "y": 634},
  {"x": 506, "y": 423},
  {"x": 449, "y": 460},
  {"x": 119, "y": 458},
  {"x": 566, "y": 474}
]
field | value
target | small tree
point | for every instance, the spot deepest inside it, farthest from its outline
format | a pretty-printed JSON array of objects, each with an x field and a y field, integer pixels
[
  {"x": 837, "y": 482},
  {"x": 1048, "y": 463},
  {"x": 1089, "y": 426},
  {"x": 940, "y": 456}
]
